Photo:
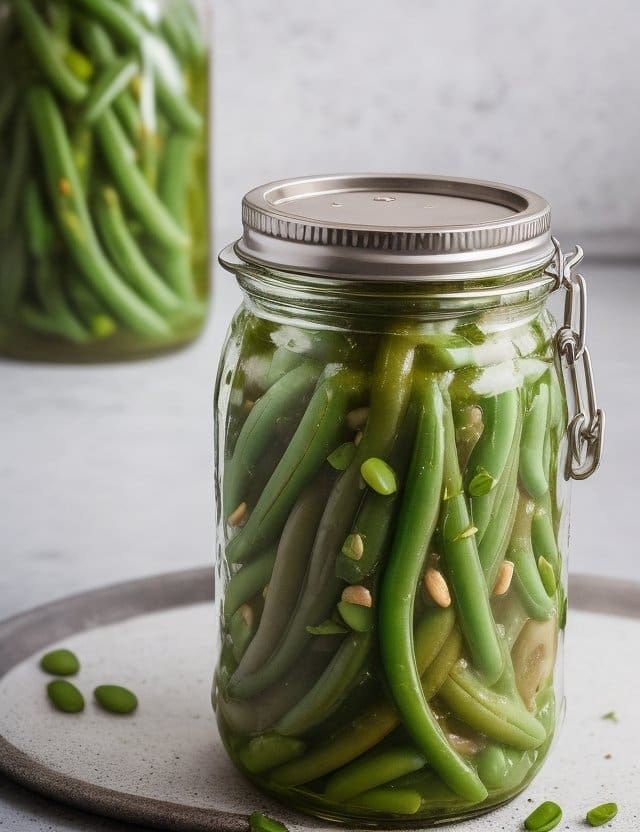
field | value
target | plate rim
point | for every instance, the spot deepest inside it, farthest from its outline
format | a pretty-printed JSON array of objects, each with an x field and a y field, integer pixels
[{"x": 28, "y": 632}]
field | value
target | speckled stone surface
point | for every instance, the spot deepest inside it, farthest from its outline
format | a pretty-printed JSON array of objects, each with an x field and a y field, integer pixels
[{"x": 169, "y": 749}]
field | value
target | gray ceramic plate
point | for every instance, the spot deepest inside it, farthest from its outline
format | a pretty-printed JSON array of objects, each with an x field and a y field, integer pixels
[{"x": 28, "y": 634}]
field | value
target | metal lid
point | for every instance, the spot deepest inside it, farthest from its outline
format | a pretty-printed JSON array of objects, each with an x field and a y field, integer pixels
[{"x": 387, "y": 226}]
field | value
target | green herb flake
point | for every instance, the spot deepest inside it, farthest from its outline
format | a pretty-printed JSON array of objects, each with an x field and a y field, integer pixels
[
  {"x": 342, "y": 457},
  {"x": 327, "y": 628},
  {"x": 481, "y": 484},
  {"x": 547, "y": 575},
  {"x": 261, "y": 823},
  {"x": 547, "y": 816},
  {"x": 602, "y": 814},
  {"x": 60, "y": 663},
  {"x": 611, "y": 716},
  {"x": 463, "y": 535}
]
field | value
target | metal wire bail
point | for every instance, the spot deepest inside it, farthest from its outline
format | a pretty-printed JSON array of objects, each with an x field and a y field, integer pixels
[{"x": 585, "y": 431}]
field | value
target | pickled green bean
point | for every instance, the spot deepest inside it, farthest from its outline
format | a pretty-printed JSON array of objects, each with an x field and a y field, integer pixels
[
  {"x": 47, "y": 53},
  {"x": 343, "y": 672},
  {"x": 109, "y": 84},
  {"x": 500, "y": 415},
  {"x": 462, "y": 565},
  {"x": 372, "y": 771},
  {"x": 292, "y": 557},
  {"x": 416, "y": 525},
  {"x": 533, "y": 472},
  {"x": 134, "y": 187},
  {"x": 249, "y": 580},
  {"x": 74, "y": 221},
  {"x": 490, "y": 713},
  {"x": 526, "y": 576},
  {"x": 257, "y": 431},
  {"x": 318, "y": 432},
  {"x": 127, "y": 255}
]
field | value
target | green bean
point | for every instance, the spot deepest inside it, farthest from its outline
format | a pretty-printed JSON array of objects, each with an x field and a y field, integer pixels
[
  {"x": 259, "y": 714},
  {"x": 488, "y": 712},
  {"x": 504, "y": 769},
  {"x": 534, "y": 432},
  {"x": 462, "y": 565},
  {"x": 318, "y": 432},
  {"x": 60, "y": 16},
  {"x": 292, "y": 557},
  {"x": 257, "y": 431},
  {"x": 493, "y": 546},
  {"x": 133, "y": 186},
  {"x": 526, "y": 576},
  {"x": 8, "y": 99},
  {"x": 47, "y": 53},
  {"x": 173, "y": 187},
  {"x": 389, "y": 801},
  {"x": 13, "y": 275},
  {"x": 242, "y": 628},
  {"x": 373, "y": 526},
  {"x": 109, "y": 84},
  {"x": 501, "y": 415},
  {"x": 87, "y": 306},
  {"x": 168, "y": 79},
  {"x": 15, "y": 177},
  {"x": 379, "y": 719},
  {"x": 543, "y": 537},
  {"x": 268, "y": 750},
  {"x": 372, "y": 771},
  {"x": 55, "y": 303},
  {"x": 40, "y": 235},
  {"x": 75, "y": 223},
  {"x": 81, "y": 140},
  {"x": 249, "y": 580},
  {"x": 388, "y": 406},
  {"x": 416, "y": 524},
  {"x": 341, "y": 675},
  {"x": 127, "y": 255}
]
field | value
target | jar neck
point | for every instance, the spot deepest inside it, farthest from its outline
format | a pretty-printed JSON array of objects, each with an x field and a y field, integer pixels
[{"x": 369, "y": 305}]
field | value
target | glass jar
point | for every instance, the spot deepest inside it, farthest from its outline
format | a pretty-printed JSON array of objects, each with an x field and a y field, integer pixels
[
  {"x": 393, "y": 459},
  {"x": 104, "y": 228}
]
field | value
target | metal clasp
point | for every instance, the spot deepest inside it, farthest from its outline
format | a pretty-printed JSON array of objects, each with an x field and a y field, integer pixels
[{"x": 585, "y": 431}]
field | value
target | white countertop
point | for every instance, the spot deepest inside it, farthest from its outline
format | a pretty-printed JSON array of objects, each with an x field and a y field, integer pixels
[{"x": 107, "y": 475}]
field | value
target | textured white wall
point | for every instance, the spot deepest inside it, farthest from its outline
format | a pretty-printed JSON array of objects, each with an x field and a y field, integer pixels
[{"x": 545, "y": 95}]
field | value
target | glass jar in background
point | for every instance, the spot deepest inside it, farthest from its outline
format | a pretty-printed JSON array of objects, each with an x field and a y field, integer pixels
[
  {"x": 393, "y": 454},
  {"x": 104, "y": 229}
]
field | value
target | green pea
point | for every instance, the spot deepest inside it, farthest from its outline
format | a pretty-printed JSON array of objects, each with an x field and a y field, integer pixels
[
  {"x": 547, "y": 575},
  {"x": 602, "y": 814},
  {"x": 65, "y": 696},
  {"x": 116, "y": 699},
  {"x": 342, "y": 457},
  {"x": 60, "y": 663},
  {"x": 379, "y": 475},
  {"x": 547, "y": 816},
  {"x": 261, "y": 823}
]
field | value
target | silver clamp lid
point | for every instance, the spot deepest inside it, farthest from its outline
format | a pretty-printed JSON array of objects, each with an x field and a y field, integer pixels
[{"x": 389, "y": 226}]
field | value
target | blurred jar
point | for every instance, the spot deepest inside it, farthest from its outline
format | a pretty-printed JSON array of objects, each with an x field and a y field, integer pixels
[{"x": 104, "y": 230}]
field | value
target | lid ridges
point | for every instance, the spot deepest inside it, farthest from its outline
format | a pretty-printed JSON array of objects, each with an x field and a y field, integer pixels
[{"x": 433, "y": 242}]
